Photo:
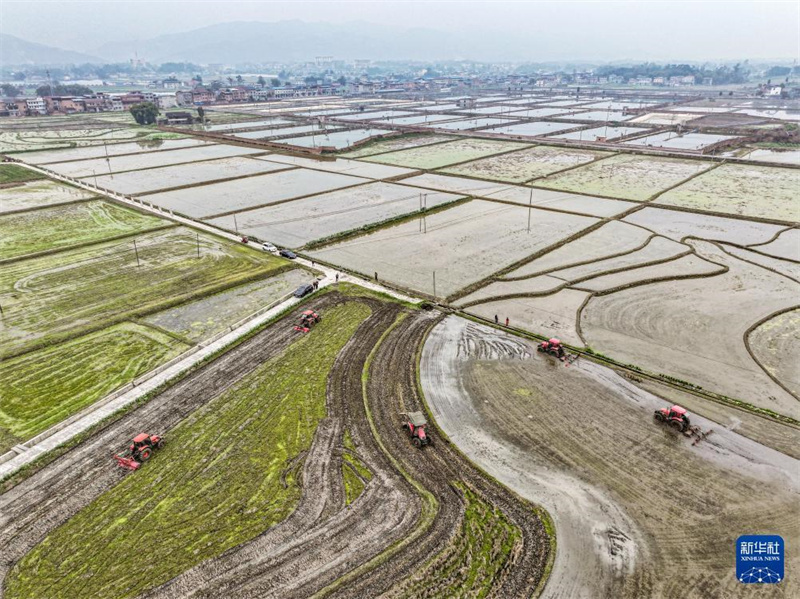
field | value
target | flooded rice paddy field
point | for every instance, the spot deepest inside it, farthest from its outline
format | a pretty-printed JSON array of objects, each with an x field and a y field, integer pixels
[
  {"x": 518, "y": 194},
  {"x": 532, "y": 129},
  {"x": 439, "y": 155},
  {"x": 180, "y": 175},
  {"x": 608, "y": 132},
  {"x": 338, "y": 139},
  {"x": 396, "y": 143},
  {"x": 687, "y": 141},
  {"x": 627, "y": 177},
  {"x": 741, "y": 189},
  {"x": 462, "y": 245},
  {"x": 66, "y": 155},
  {"x": 132, "y": 162},
  {"x": 37, "y": 194},
  {"x": 294, "y": 224},
  {"x": 524, "y": 165},
  {"x": 242, "y": 194}
]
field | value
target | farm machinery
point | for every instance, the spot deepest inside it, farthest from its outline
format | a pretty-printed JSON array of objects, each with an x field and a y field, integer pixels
[
  {"x": 307, "y": 320},
  {"x": 139, "y": 451},
  {"x": 678, "y": 418},
  {"x": 553, "y": 347},
  {"x": 416, "y": 425}
]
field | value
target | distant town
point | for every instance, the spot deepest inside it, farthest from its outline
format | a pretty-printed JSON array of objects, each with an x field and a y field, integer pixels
[{"x": 37, "y": 91}]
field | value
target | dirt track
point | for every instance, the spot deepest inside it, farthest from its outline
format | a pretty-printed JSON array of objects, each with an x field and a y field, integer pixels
[
  {"x": 632, "y": 503},
  {"x": 324, "y": 539}
]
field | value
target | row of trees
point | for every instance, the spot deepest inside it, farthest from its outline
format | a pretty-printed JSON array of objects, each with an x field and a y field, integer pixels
[
  {"x": 720, "y": 74},
  {"x": 12, "y": 91}
]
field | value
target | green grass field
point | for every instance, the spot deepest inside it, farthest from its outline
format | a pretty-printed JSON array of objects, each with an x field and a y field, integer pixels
[
  {"x": 55, "y": 297},
  {"x": 44, "y": 387},
  {"x": 13, "y": 173},
  {"x": 63, "y": 226},
  {"x": 216, "y": 484}
]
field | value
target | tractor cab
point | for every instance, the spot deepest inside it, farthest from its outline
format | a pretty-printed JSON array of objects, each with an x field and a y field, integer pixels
[
  {"x": 307, "y": 320},
  {"x": 416, "y": 426}
]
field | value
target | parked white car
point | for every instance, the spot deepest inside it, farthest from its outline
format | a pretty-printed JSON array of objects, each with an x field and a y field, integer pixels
[{"x": 268, "y": 247}]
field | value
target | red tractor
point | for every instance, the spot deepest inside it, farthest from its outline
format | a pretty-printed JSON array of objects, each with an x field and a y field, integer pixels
[
  {"x": 553, "y": 347},
  {"x": 416, "y": 425},
  {"x": 675, "y": 416},
  {"x": 307, "y": 320},
  {"x": 139, "y": 451}
]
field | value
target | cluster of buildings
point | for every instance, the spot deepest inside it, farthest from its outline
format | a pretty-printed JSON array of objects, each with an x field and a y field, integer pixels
[{"x": 97, "y": 102}]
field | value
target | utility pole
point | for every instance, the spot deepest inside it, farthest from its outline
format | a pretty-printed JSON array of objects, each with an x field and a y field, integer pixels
[
  {"x": 235, "y": 224},
  {"x": 530, "y": 207},
  {"x": 198, "y": 245},
  {"x": 434, "y": 284},
  {"x": 135, "y": 249},
  {"x": 108, "y": 160}
]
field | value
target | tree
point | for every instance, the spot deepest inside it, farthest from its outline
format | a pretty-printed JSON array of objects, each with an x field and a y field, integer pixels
[
  {"x": 230, "y": 80},
  {"x": 261, "y": 81},
  {"x": 199, "y": 79},
  {"x": 178, "y": 67},
  {"x": 58, "y": 89},
  {"x": 216, "y": 85},
  {"x": 342, "y": 80},
  {"x": 19, "y": 76},
  {"x": 779, "y": 71},
  {"x": 201, "y": 114},
  {"x": 144, "y": 113},
  {"x": 275, "y": 82},
  {"x": 10, "y": 91},
  {"x": 239, "y": 79}
]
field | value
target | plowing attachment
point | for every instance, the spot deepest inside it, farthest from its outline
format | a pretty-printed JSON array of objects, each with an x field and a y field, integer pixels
[
  {"x": 307, "y": 320},
  {"x": 139, "y": 451},
  {"x": 677, "y": 417}
]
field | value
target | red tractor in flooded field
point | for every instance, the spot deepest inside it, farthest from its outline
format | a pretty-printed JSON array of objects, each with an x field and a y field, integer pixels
[
  {"x": 139, "y": 451},
  {"x": 678, "y": 418},
  {"x": 416, "y": 425},
  {"x": 553, "y": 347},
  {"x": 675, "y": 416},
  {"x": 307, "y": 320}
]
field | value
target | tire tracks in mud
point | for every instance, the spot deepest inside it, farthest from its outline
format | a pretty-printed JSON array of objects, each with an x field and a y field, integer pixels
[
  {"x": 391, "y": 389},
  {"x": 322, "y": 539}
]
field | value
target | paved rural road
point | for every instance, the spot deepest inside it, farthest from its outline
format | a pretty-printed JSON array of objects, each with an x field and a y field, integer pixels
[{"x": 598, "y": 544}]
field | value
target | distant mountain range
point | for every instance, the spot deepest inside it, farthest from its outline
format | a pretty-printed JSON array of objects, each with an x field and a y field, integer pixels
[
  {"x": 288, "y": 41},
  {"x": 17, "y": 51}
]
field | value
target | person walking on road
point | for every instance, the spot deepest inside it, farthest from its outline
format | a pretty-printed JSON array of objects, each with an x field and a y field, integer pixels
[
  {"x": 495, "y": 319},
  {"x": 337, "y": 277},
  {"x": 506, "y": 320}
]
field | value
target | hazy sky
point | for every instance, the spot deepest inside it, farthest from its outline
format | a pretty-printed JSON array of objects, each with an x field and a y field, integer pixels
[{"x": 605, "y": 30}]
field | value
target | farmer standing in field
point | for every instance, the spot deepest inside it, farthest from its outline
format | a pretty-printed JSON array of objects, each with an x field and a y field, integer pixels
[{"x": 506, "y": 320}]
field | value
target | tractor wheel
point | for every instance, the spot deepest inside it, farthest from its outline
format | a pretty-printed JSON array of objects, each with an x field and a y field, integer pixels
[
  {"x": 677, "y": 425},
  {"x": 659, "y": 416},
  {"x": 145, "y": 454},
  {"x": 160, "y": 444},
  {"x": 417, "y": 442}
]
